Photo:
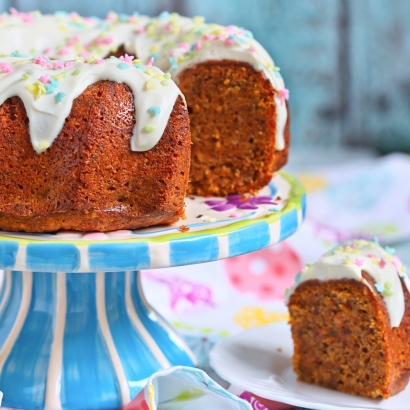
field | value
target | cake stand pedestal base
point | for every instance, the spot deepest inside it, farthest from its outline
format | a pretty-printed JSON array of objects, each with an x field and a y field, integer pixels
[{"x": 80, "y": 340}]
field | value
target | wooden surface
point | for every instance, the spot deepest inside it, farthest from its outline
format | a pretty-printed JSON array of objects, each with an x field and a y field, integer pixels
[{"x": 346, "y": 62}]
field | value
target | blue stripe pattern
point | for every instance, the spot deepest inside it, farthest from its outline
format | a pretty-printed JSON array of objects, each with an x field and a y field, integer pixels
[
  {"x": 118, "y": 256},
  {"x": 171, "y": 348},
  {"x": 248, "y": 239},
  {"x": 288, "y": 224},
  {"x": 137, "y": 360},
  {"x": 8, "y": 251},
  {"x": 88, "y": 376},
  {"x": 196, "y": 250},
  {"x": 31, "y": 350},
  {"x": 46, "y": 256}
]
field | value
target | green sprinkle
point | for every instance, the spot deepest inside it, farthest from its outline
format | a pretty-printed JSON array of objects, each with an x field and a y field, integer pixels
[
  {"x": 60, "y": 96},
  {"x": 76, "y": 72},
  {"x": 167, "y": 76},
  {"x": 388, "y": 292},
  {"x": 149, "y": 128},
  {"x": 25, "y": 77},
  {"x": 164, "y": 82}
]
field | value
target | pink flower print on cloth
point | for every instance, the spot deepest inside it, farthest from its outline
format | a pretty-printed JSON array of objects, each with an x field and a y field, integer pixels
[
  {"x": 239, "y": 202},
  {"x": 266, "y": 273},
  {"x": 185, "y": 388}
]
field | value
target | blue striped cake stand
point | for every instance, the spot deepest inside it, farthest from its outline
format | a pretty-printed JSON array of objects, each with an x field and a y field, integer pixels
[{"x": 76, "y": 331}]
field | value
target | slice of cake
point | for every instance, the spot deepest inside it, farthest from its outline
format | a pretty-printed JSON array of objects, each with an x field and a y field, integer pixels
[{"x": 350, "y": 321}]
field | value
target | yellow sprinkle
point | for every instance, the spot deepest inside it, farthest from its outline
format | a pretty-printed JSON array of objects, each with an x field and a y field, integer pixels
[
  {"x": 137, "y": 61},
  {"x": 175, "y": 29},
  {"x": 154, "y": 48},
  {"x": 158, "y": 77},
  {"x": 62, "y": 27},
  {"x": 210, "y": 220},
  {"x": 148, "y": 72},
  {"x": 31, "y": 88},
  {"x": 20, "y": 62},
  {"x": 43, "y": 145},
  {"x": 150, "y": 85},
  {"x": 181, "y": 59},
  {"x": 79, "y": 59},
  {"x": 198, "y": 20}
]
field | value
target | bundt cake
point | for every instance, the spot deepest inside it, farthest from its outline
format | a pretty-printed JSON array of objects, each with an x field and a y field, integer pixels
[
  {"x": 350, "y": 321},
  {"x": 235, "y": 94},
  {"x": 92, "y": 146}
]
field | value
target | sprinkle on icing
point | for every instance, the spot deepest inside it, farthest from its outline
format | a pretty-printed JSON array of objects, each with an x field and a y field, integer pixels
[
  {"x": 357, "y": 256},
  {"x": 171, "y": 41},
  {"x": 48, "y": 99}
]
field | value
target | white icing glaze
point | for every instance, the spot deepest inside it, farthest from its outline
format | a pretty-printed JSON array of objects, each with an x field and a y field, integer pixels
[
  {"x": 174, "y": 42},
  {"x": 47, "y": 116},
  {"x": 355, "y": 257}
]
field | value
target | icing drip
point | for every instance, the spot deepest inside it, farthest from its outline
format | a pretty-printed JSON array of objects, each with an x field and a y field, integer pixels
[
  {"x": 354, "y": 257},
  {"x": 173, "y": 42},
  {"x": 48, "y": 88}
]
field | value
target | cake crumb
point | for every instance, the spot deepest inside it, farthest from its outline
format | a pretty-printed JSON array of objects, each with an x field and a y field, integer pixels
[{"x": 183, "y": 228}]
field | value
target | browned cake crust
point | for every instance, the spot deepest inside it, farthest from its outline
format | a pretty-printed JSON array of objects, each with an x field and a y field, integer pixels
[
  {"x": 232, "y": 114},
  {"x": 343, "y": 339},
  {"x": 89, "y": 179}
]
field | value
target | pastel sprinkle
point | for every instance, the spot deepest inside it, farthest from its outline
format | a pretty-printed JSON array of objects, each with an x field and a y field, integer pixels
[
  {"x": 150, "y": 61},
  {"x": 154, "y": 110},
  {"x": 164, "y": 82},
  {"x": 45, "y": 79},
  {"x": 382, "y": 263},
  {"x": 25, "y": 77},
  {"x": 210, "y": 220},
  {"x": 167, "y": 76},
  {"x": 379, "y": 288},
  {"x": 359, "y": 262},
  {"x": 150, "y": 85},
  {"x": 60, "y": 96},
  {"x": 149, "y": 128},
  {"x": 388, "y": 289},
  {"x": 43, "y": 145},
  {"x": 76, "y": 72},
  {"x": 390, "y": 250},
  {"x": 123, "y": 66},
  {"x": 235, "y": 215}
]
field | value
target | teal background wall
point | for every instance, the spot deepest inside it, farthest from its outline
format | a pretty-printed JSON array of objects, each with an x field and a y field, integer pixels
[{"x": 346, "y": 62}]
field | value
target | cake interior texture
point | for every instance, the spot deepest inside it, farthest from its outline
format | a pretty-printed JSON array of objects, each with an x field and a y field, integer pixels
[
  {"x": 343, "y": 339},
  {"x": 89, "y": 179},
  {"x": 232, "y": 114}
]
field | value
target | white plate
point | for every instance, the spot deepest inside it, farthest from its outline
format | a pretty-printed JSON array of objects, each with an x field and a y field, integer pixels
[{"x": 259, "y": 361}]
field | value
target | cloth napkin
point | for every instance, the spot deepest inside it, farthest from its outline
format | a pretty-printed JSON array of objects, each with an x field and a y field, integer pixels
[{"x": 185, "y": 388}]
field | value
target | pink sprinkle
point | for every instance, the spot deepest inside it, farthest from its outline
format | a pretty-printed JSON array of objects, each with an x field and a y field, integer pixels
[
  {"x": 45, "y": 79},
  {"x": 171, "y": 54},
  {"x": 359, "y": 262},
  {"x": 208, "y": 37},
  {"x": 68, "y": 63},
  {"x": 220, "y": 37},
  {"x": 235, "y": 215},
  {"x": 140, "y": 28},
  {"x": 64, "y": 51},
  {"x": 150, "y": 61},
  {"x": 230, "y": 29},
  {"x": 372, "y": 255},
  {"x": 5, "y": 68},
  {"x": 241, "y": 32},
  {"x": 48, "y": 50},
  {"x": 13, "y": 11},
  {"x": 73, "y": 15},
  {"x": 99, "y": 62},
  {"x": 41, "y": 60},
  {"x": 229, "y": 42},
  {"x": 58, "y": 64},
  {"x": 198, "y": 46},
  {"x": 252, "y": 49},
  {"x": 111, "y": 17},
  {"x": 184, "y": 46},
  {"x": 127, "y": 58},
  {"x": 95, "y": 236},
  {"x": 88, "y": 20},
  {"x": 167, "y": 27},
  {"x": 283, "y": 95},
  {"x": 382, "y": 263},
  {"x": 396, "y": 263}
]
